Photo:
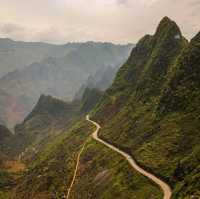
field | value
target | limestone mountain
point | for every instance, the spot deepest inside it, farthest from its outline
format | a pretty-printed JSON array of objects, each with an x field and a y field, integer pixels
[
  {"x": 57, "y": 76},
  {"x": 48, "y": 119},
  {"x": 50, "y": 171},
  {"x": 151, "y": 111},
  {"x": 5, "y": 145},
  {"x": 17, "y": 54},
  {"x": 152, "y": 108},
  {"x": 90, "y": 98},
  {"x": 101, "y": 80}
]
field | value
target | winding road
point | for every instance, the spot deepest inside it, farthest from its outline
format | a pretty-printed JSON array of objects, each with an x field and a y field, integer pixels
[{"x": 164, "y": 187}]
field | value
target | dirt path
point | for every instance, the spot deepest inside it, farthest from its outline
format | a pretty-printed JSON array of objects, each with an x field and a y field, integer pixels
[
  {"x": 14, "y": 166},
  {"x": 75, "y": 172},
  {"x": 164, "y": 187}
]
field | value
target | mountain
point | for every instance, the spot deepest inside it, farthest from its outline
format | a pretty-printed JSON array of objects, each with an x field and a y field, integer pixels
[
  {"x": 5, "y": 137},
  {"x": 49, "y": 118},
  {"x": 101, "y": 80},
  {"x": 17, "y": 54},
  {"x": 49, "y": 172},
  {"x": 90, "y": 98},
  {"x": 40, "y": 136},
  {"x": 57, "y": 76},
  {"x": 12, "y": 108},
  {"x": 152, "y": 108},
  {"x": 150, "y": 111}
]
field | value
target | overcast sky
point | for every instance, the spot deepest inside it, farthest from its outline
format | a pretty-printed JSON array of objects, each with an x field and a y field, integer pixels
[{"x": 119, "y": 21}]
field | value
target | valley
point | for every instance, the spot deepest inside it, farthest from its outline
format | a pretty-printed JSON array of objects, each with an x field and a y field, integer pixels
[
  {"x": 56, "y": 70},
  {"x": 101, "y": 122}
]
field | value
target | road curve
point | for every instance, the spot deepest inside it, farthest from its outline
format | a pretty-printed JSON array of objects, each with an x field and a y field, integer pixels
[
  {"x": 75, "y": 172},
  {"x": 165, "y": 187}
]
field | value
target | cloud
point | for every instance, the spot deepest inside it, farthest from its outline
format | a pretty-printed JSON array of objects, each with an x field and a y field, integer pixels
[
  {"x": 120, "y": 21},
  {"x": 122, "y": 2},
  {"x": 194, "y": 3},
  {"x": 12, "y": 30},
  {"x": 23, "y": 33}
]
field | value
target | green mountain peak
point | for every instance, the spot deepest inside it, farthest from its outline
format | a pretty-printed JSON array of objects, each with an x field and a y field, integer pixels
[
  {"x": 169, "y": 26},
  {"x": 152, "y": 108}
]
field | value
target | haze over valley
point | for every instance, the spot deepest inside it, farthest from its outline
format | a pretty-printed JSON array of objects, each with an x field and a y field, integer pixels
[
  {"x": 96, "y": 119},
  {"x": 57, "y": 70}
]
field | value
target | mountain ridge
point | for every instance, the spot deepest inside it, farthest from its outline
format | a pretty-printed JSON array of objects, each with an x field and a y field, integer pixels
[
  {"x": 57, "y": 76},
  {"x": 151, "y": 111},
  {"x": 131, "y": 111}
]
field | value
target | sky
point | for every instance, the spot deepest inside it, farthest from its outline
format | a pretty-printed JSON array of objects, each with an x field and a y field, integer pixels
[{"x": 117, "y": 21}]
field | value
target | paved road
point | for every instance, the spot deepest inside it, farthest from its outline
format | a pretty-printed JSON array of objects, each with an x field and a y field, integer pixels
[{"x": 165, "y": 187}]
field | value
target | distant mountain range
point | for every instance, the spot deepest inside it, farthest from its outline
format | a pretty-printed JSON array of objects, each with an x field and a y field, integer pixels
[
  {"x": 151, "y": 111},
  {"x": 56, "y": 70},
  {"x": 18, "y": 54},
  {"x": 101, "y": 80}
]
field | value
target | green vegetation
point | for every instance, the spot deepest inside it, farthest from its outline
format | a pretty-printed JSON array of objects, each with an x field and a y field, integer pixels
[
  {"x": 5, "y": 145},
  {"x": 90, "y": 99},
  {"x": 152, "y": 108},
  {"x": 151, "y": 111},
  {"x": 4, "y": 195},
  {"x": 47, "y": 141},
  {"x": 105, "y": 174},
  {"x": 48, "y": 119},
  {"x": 7, "y": 182},
  {"x": 51, "y": 172}
]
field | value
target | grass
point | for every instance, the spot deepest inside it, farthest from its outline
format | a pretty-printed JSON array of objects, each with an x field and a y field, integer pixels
[{"x": 104, "y": 174}]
